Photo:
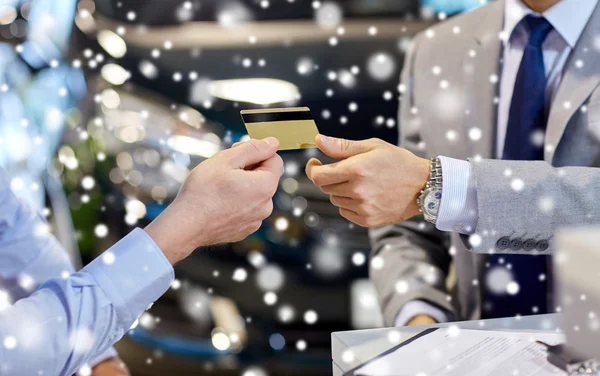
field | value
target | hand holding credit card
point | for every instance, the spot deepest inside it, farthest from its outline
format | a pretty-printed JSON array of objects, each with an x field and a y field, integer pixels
[{"x": 294, "y": 127}]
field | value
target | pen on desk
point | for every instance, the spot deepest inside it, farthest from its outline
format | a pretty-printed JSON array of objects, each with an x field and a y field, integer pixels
[{"x": 565, "y": 358}]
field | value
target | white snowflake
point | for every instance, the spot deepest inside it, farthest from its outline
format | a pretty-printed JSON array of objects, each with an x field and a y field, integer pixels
[
  {"x": 101, "y": 230},
  {"x": 475, "y": 134},
  {"x": 517, "y": 184},
  {"x": 348, "y": 356},
  {"x": 239, "y": 275},
  {"x": 381, "y": 66},
  {"x": 301, "y": 345},
  {"x": 358, "y": 258},
  {"x": 453, "y": 331},
  {"x": 546, "y": 204},
  {"x": 305, "y": 66},
  {"x": 286, "y": 313},
  {"x": 451, "y": 135},
  {"x": 270, "y": 278},
  {"x": 377, "y": 262},
  {"x": 512, "y": 288},
  {"x": 108, "y": 258},
  {"x": 310, "y": 317},
  {"x": 329, "y": 15},
  {"x": 402, "y": 287},
  {"x": 281, "y": 224},
  {"x": 270, "y": 298}
]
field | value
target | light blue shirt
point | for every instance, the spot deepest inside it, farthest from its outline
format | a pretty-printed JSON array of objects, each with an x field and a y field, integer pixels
[
  {"x": 75, "y": 317},
  {"x": 458, "y": 207}
]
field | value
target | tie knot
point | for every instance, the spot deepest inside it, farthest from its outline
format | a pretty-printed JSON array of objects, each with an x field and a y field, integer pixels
[{"x": 538, "y": 28}]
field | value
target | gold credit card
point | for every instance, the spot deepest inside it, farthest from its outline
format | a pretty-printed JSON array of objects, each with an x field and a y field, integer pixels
[{"x": 294, "y": 127}]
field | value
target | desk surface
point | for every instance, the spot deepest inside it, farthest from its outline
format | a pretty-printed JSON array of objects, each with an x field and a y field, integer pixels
[{"x": 351, "y": 348}]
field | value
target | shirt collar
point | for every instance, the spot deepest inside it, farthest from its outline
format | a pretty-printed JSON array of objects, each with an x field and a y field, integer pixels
[{"x": 567, "y": 17}]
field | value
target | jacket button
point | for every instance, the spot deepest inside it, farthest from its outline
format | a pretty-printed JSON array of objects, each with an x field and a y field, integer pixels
[
  {"x": 542, "y": 245},
  {"x": 516, "y": 244},
  {"x": 529, "y": 244},
  {"x": 503, "y": 243}
]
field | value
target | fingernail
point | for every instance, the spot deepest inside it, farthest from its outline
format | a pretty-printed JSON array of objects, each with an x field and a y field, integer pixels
[
  {"x": 271, "y": 141},
  {"x": 325, "y": 139}
]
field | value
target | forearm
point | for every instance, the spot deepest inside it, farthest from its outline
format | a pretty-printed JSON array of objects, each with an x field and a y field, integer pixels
[
  {"x": 517, "y": 206},
  {"x": 409, "y": 262},
  {"x": 531, "y": 200},
  {"x": 167, "y": 232},
  {"x": 83, "y": 314}
]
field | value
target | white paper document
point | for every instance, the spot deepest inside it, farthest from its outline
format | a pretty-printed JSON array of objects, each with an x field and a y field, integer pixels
[{"x": 455, "y": 352}]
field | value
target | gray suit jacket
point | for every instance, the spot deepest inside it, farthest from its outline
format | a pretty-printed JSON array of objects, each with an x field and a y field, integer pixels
[{"x": 553, "y": 195}]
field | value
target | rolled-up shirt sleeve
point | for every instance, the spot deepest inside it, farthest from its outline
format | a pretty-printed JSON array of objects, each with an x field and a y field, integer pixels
[
  {"x": 72, "y": 319},
  {"x": 458, "y": 206}
]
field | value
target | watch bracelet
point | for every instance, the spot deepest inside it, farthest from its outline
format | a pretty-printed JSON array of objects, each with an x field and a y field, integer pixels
[
  {"x": 435, "y": 180},
  {"x": 435, "y": 173}
]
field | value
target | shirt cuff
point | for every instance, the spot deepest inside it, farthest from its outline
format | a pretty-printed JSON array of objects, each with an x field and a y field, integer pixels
[
  {"x": 419, "y": 307},
  {"x": 108, "y": 354},
  {"x": 458, "y": 206},
  {"x": 133, "y": 273}
]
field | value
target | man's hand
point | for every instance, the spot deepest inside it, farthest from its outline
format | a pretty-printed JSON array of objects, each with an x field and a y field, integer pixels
[
  {"x": 421, "y": 320},
  {"x": 224, "y": 199},
  {"x": 374, "y": 183},
  {"x": 111, "y": 367}
]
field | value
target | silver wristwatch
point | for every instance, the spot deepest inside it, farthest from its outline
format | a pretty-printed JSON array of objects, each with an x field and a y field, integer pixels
[{"x": 430, "y": 197}]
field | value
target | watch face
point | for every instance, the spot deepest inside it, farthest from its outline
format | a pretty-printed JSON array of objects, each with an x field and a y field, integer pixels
[{"x": 431, "y": 202}]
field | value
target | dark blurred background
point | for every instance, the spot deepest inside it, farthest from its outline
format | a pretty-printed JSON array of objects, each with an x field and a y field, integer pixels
[{"x": 117, "y": 100}]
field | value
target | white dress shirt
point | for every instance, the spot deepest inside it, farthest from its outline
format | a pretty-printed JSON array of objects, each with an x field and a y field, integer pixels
[{"x": 458, "y": 207}]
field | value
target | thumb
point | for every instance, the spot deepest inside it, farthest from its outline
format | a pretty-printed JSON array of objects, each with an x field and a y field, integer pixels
[
  {"x": 313, "y": 162},
  {"x": 340, "y": 148},
  {"x": 252, "y": 152}
]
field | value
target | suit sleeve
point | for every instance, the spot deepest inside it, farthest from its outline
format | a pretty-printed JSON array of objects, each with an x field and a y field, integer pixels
[
  {"x": 410, "y": 261},
  {"x": 530, "y": 200}
]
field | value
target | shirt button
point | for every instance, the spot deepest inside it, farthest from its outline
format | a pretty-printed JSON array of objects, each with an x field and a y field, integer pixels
[
  {"x": 542, "y": 245},
  {"x": 516, "y": 244},
  {"x": 529, "y": 245},
  {"x": 503, "y": 243}
]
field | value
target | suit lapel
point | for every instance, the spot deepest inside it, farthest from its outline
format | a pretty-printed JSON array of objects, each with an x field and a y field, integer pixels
[
  {"x": 577, "y": 83},
  {"x": 482, "y": 65}
]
